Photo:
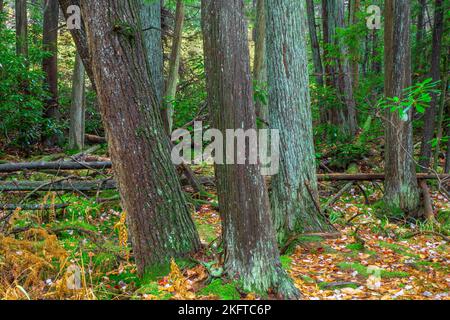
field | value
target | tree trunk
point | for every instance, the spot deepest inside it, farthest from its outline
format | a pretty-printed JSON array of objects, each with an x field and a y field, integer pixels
[
  {"x": 354, "y": 64},
  {"x": 50, "y": 68},
  {"x": 251, "y": 253},
  {"x": 260, "y": 65},
  {"x": 447, "y": 157},
  {"x": 151, "y": 23},
  {"x": 345, "y": 85},
  {"x": 159, "y": 220},
  {"x": 317, "y": 60},
  {"x": 21, "y": 28},
  {"x": 401, "y": 189},
  {"x": 80, "y": 38},
  {"x": 418, "y": 61},
  {"x": 435, "y": 73},
  {"x": 293, "y": 209},
  {"x": 442, "y": 109},
  {"x": 174, "y": 64},
  {"x": 77, "y": 108}
]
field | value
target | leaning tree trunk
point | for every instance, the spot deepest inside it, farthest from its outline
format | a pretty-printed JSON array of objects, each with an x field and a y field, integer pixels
[
  {"x": 50, "y": 68},
  {"x": 159, "y": 220},
  {"x": 401, "y": 190},
  {"x": 21, "y": 28},
  {"x": 251, "y": 253},
  {"x": 293, "y": 207},
  {"x": 260, "y": 64},
  {"x": 77, "y": 108},
  {"x": 174, "y": 64},
  {"x": 317, "y": 60},
  {"x": 435, "y": 73},
  {"x": 79, "y": 36}
]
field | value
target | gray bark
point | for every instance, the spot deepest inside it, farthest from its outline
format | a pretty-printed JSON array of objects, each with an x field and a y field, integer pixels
[
  {"x": 251, "y": 253},
  {"x": 77, "y": 108},
  {"x": 50, "y": 68},
  {"x": 293, "y": 208},
  {"x": 435, "y": 73},
  {"x": 317, "y": 60},
  {"x": 159, "y": 220},
  {"x": 150, "y": 13},
  {"x": 174, "y": 63},
  {"x": 401, "y": 188},
  {"x": 21, "y": 28},
  {"x": 260, "y": 64}
]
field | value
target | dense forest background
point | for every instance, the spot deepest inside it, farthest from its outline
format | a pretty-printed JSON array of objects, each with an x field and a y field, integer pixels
[{"x": 92, "y": 207}]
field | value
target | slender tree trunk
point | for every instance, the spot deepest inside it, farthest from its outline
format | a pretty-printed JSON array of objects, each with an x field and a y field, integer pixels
[
  {"x": 435, "y": 73},
  {"x": 447, "y": 157},
  {"x": 354, "y": 63},
  {"x": 77, "y": 108},
  {"x": 440, "y": 126},
  {"x": 317, "y": 60},
  {"x": 251, "y": 253},
  {"x": 345, "y": 78},
  {"x": 418, "y": 61},
  {"x": 293, "y": 208},
  {"x": 158, "y": 216},
  {"x": 2, "y": 4},
  {"x": 376, "y": 63},
  {"x": 21, "y": 28},
  {"x": 401, "y": 189},
  {"x": 174, "y": 64},
  {"x": 50, "y": 68},
  {"x": 260, "y": 67},
  {"x": 80, "y": 37}
]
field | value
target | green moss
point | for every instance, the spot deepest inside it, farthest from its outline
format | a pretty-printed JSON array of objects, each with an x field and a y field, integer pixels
[
  {"x": 398, "y": 249},
  {"x": 286, "y": 262},
  {"x": 206, "y": 232},
  {"x": 355, "y": 246},
  {"x": 159, "y": 271},
  {"x": 225, "y": 291},
  {"x": 363, "y": 270},
  {"x": 332, "y": 286}
]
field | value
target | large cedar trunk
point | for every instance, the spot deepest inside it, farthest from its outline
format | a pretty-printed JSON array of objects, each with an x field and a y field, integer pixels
[
  {"x": 251, "y": 253},
  {"x": 293, "y": 207},
  {"x": 435, "y": 73},
  {"x": 401, "y": 190},
  {"x": 50, "y": 67},
  {"x": 159, "y": 220}
]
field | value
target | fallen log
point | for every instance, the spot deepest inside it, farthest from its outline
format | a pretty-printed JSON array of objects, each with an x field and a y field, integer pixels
[
  {"x": 25, "y": 186},
  {"x": 72, "y": 185},
  {"x": 374, "y": 176},
  {"x": 59, "y": 165},
  {"x": 32, "y": 207},
  {"x": 94, "y": 139}
]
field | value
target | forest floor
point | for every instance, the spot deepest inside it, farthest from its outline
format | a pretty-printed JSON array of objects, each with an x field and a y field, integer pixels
[{"x": 374, "y": 258}]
